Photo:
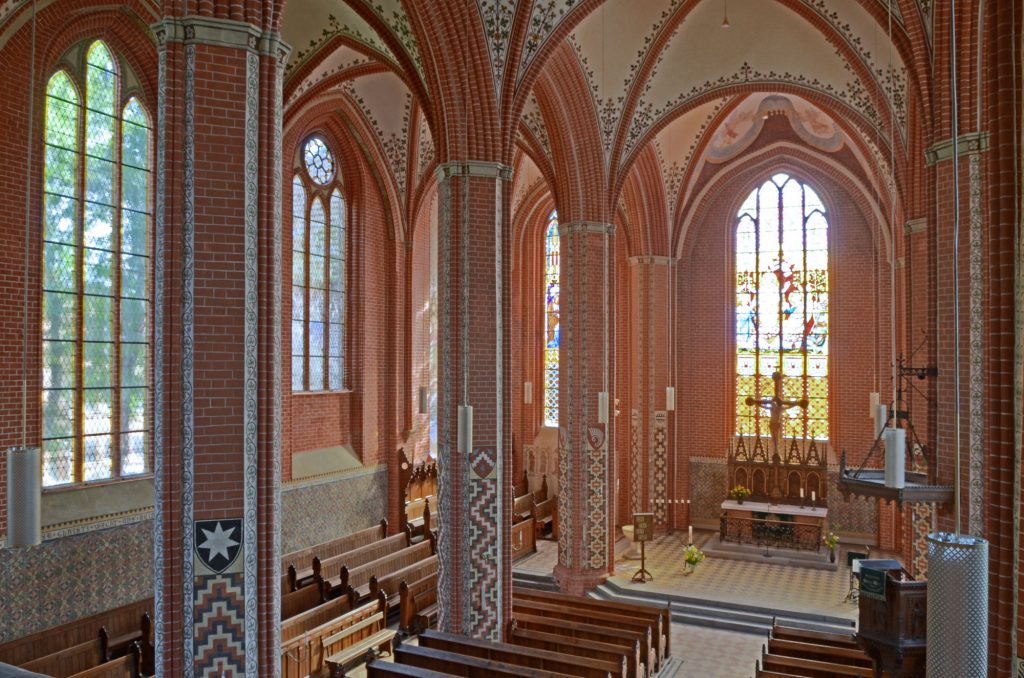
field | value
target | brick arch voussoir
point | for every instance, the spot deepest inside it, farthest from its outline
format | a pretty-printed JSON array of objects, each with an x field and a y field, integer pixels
[
  {"x": 735, "y": 180},
  {"x": 531, "y": 217},
  {"x": 121, "y": 29},
  {"x": 303, "y": 70},
  {"x": 969, "y": 45},
  {"x": 646, "y": 203},
  {"x": 322, "y": 87},
  {"x": 525, "y": 84},
  {"x": 577, "y": 153},
  {"x": 530, "y": 147}
]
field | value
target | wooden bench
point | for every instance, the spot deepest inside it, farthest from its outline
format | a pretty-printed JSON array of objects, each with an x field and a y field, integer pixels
[
  {"x": 819, "y": 637},
  {"x": 302, "y": 653},
  {"x": 809, "y": 667},
  {"x": 524, "y": 527},
  {"x": 331, "y": 567},
  {"x": 125, "y": 625},
  {"x": 520, "y": 656},
  {"x": 659, "y": 616},
  {"x": 829, "y": 653},
  {"x": 126, "y": 666},
  {"x": 358, "y": 578},
  {"x": 296, "y": 567},
  {"x": 71, "y": 660},
  {"x": 546, "y": 517},
  {"x": 383, "y": 669},
  {"x": 352, "y": 644},
  {"x": 625, "y": 640},
  {"x": 456, "y": 664},
  {"x": 293, "y": 627},
  {"x": 538, "y": 640},
  {"x": 417, "y": 604},
  {"x": 642, "y": 630},
  {"x": 305, "y": 598},
  {"x": 390, "y": 583},
  {"x": 417, "y": 516}
]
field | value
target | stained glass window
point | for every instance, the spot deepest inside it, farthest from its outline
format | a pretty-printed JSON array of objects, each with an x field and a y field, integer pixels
[
  {"x": 95, "y": 332},
  {"x": 319, "y": 161},
  {"x": 318, "y": 274},
  {"x": 782, "y": 308},
  {"x": 551, "y": 328}
]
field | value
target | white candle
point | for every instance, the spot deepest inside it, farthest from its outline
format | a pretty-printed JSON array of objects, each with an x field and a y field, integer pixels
[
  {"x": 690, "y": 532},
  {"x": 813, "y": 496},
  {"x": 801, "y": 493}
]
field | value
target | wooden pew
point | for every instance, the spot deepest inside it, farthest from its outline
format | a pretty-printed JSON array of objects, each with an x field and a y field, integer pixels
[
  {"x": 293, "y": 627},
  {"x": 390, "y": 583},
  {"x": 122, "y": 667},
  {"x": 659, "y": 616},
  {"x": 625, "y": 640},
  {"x": 827, "y": 653},
  {"x": 417, "y": 610},
  {"x": 359, "y": 578},
  {"x": 649, "y": 651},
  {"x": 580, "y": 647},
  {"x": 125, "y": 625},
  {"x": 546, "y": 517},
  {"x": 305, "y": 598},
  {"x": 455, "y": 664},
  {"x": 520, "y": 656},
  {"x": 71, "y": 660},
  {"x": 301, "y": 559},
  {"x": 819, "y": 637},
  {"x": 383, "y": 669},
  {"x": 524, "y": 527},
  {"x": 417, "y": 515},
  {"x": 331, "y": 567},
  {"x": 798, "y": 666},
  {"x": 354, "y": 641},
  {"x": 303, "y": 653}
]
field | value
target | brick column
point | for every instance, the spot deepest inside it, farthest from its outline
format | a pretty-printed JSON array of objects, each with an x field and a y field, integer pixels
[
  {"x": 651, "y": 463},
  {"x": 217, "y": 437},
  {"x": 474, "y": 489},
  {"x": 585, "y": 476}
]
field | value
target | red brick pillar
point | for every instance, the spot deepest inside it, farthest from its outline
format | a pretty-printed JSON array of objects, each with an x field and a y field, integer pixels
[
  {"x": 474, "y": 488},
  {"x": 217, "y": 352},
  {"x": 585, "y": 477},
  {"x": 651, "y": 462}
]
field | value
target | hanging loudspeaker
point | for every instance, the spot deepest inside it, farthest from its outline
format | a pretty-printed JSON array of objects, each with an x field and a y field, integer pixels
[
  {"x": 423, "y": 400},
  {"x": 895, "y": 457},
  {"x": 528, "y": 392},
  {"x": 874, "y": 405},
  {"x": 465, "y": 433},
  {"x": 670, "y": 398},
  {"x": 602, "y": 407},
  {"x": 881, "y": 418},
  {"x": 23, "y": 489}
]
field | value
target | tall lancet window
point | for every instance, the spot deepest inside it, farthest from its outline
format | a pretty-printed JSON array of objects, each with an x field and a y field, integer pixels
[
  {"x": 96, "y": 287},
  {"x": 782, "y": 308},
  {"x": 551, "y": 325},
  {"x": 318, "y": 272}
]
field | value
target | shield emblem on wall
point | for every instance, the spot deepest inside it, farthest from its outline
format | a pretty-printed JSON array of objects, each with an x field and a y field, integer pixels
[{"x": 218, "y": 542}]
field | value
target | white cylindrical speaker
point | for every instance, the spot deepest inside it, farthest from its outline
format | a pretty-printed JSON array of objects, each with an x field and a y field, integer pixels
[
  {"x": 602, "y": 407},
  {"x": 423, "y": 400},
  {"x": 957, "y": 606},
  {"x": 465, "y": 433},
  {"x": 874, "y": 404},
  {"x": 24, "y": 484},
  {"x": 881, "y": 418},
  {"x": 528, "y": 392},
  {"x": 670, "y": 398},
  {"x": 895, "y": 457}
]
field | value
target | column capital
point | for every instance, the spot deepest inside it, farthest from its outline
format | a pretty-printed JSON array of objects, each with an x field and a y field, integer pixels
[
  {"x": 201, "y": 30},
  {"x": 967, "y": 144},
  {"x": 473, "y": 168},
  {"x": 915, "y": 226},
  {"x": 651, "y": 259},
  {"x": 580, "y": 227}
]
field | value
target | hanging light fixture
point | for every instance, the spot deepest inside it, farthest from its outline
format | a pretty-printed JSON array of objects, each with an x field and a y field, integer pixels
[{"x": 725, "y": 13}]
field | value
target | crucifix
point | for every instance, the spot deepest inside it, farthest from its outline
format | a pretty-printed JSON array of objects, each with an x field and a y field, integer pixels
[{"x": 775, "y": 406}]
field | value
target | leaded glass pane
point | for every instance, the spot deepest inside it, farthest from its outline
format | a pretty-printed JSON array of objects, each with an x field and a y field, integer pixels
[
  {"x": 133, "y": 453},
  {"x": 133, "y": 231},
  {"x": 298, "y": 340},
  {"x": 97, "y": 364},
  {"x": 336, "y": 376},
  {"x": 334, "y": 340},
  {"x": 58, "y": 364},
  {"x": 99, "y": 221},
  {"x": 298, "y": 372},
  {"x": 319, "y": 161},
  {"x": 316, "y": 340},
  {"x": 298, "y": 303},
  {"x": 58, "y": 413},
  {"x": 782, "y": 310},
  {"x": 133, "y": 409},
  {"x": 59, "y": 313},
  {"x": 97, "y": 458},
  {"x": 133, "y": 276},
  {"x": 58, "y": 462},
  {"x": 133, "y": 364},
  {"x": 60, "y": 219},
  {"x": 59, "y": 268},
  {"x": 98, "y": 318},
  {"x": 316, "y": 373},
  {"x": 99, "y": 276},
  {"x": 134, "y": 320},
  {"x": 61, "y": 166},
  {"x": 552, "y": 271},
  {"x": 96, "y": 411}
]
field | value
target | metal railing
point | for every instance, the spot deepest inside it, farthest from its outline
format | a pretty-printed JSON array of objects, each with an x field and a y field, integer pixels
[{"x": 771, "y": 533}]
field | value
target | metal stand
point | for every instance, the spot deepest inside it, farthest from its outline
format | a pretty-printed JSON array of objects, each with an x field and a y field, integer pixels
[{"x": 642, "y": 575}]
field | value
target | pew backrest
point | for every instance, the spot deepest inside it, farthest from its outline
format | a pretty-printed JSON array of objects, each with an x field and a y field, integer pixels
[
  {"x": 391, "y": 582},
  {"x": 359, "y": 577},
  {"x": 542, "y": 660},
  {"x": 73, "y": 659},
  {"x": 522, "y": 507},
  {"x": 302, "y": 558},
  {"x": 305, "y": 598},
  {"x": 122, "y": 667},
  {"x": 295, "y": 626},
  {"x": 303, "y": 654},
  {"x": 331, "y": 567}
]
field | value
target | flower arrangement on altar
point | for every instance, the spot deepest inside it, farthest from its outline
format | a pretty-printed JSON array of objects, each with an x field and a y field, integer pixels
[
  {"x": 739, "y": 493},
  {"x": 692, "y": 556},
  {"x": 831, "y": 541}
]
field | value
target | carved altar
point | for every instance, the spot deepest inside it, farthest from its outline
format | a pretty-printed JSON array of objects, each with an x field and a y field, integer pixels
[{"x": 775, "y": 476}]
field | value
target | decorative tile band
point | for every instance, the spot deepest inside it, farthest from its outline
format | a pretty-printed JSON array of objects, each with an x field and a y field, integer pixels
[
  {"x": 976, "y": 352},
  {"x": 660, "y": 467},
  {"x": 219, "y": 645},
  {"x": 635, "y": 464},
  {"x": 158, "y": 359}
]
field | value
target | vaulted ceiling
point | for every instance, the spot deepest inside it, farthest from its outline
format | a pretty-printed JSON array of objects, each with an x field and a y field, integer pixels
[{"x": 660, "y": 84}]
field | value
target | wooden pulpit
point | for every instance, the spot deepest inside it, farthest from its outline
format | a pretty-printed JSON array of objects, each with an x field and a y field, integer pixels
[{"x": 892, "y": 627}]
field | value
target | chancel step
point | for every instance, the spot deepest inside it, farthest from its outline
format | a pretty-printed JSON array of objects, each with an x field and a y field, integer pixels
[
  {"x": 725, "y": 615},
  {"x": 534, "y": 580}
]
